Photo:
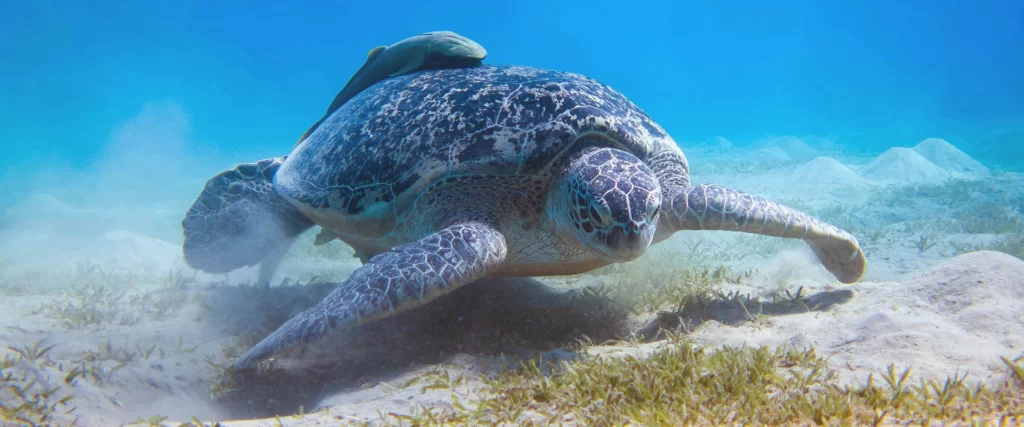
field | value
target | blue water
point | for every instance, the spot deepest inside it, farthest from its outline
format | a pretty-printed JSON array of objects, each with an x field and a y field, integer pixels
[
  {"x": 252, "y": 77},
  {"x": 113, "y": 115}
]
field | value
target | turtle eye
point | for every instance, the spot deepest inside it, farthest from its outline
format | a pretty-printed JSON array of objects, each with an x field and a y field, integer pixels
[
  {"x": 596, "y": 216},
  {"x": 653, "y": 207},
  {"x": 652, "y": 210},
  {"x": 600, "y": 216}
]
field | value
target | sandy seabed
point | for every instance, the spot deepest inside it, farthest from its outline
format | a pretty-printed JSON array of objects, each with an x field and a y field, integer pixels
[{"x": 126, "y": 331}]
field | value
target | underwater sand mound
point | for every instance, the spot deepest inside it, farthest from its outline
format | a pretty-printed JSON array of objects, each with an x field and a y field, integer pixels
[
  {"x": 961, "y": 314},
  {"x": 983, "y": 290},
  {"x": 903, "y": 165},
  {"x": 772, "y": 157},
  {"x": 794, "y": 147},
  {"x": 129, "y": 252},
  {"x": 948, "y": 157},
  {"x": 40, "y": 207},
  {"x": 711, "y": 154},
  {"x": 826, "y": 171},
  {"x": 717, "y": 143},
  {"x": 42, "y": 202}
]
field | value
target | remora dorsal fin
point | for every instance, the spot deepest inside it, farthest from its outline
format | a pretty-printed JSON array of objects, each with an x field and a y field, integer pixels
[{"x": 342, "y": 96}]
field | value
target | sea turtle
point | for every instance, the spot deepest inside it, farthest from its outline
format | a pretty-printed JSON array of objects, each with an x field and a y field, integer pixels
[
  {"x": 447, "y": 176},
  {"x": 430, "y": 50}
]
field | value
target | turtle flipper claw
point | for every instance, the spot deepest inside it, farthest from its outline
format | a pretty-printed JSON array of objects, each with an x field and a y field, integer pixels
[
  {"x": 714, "y": 207},
  {"x": 407, "y": 277}
]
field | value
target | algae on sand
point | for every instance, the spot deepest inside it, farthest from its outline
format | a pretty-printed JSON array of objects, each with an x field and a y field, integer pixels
[{"x": 681, "y": 384}]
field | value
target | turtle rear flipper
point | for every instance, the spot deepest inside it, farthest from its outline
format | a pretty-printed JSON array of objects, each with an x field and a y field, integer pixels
[
  {"x": 714, "y": 207},
  {"x": 406, "y": 277},
  {"x": 238, "y": 220}
]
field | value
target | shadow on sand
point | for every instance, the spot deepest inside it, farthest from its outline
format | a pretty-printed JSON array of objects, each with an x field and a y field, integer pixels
[
  {"x": 510, "y": 316},
  {"x": 735, "y": 309},
  {"x": 491, "y": 317}
]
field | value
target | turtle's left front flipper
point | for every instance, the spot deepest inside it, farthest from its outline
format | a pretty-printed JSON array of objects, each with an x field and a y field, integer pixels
[
  {"x": 407, "y": 277},
  {"x": 714, "y": 207}
]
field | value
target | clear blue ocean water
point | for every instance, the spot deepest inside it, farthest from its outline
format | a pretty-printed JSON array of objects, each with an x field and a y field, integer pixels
[
  {"x": 250, "y": 77},
  {"x": 114, "y": 114}
]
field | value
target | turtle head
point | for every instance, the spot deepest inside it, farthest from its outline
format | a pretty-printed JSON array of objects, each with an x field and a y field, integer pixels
[
  {"x": 608, "y": 201},
  {"x": 447, "y": 46}
]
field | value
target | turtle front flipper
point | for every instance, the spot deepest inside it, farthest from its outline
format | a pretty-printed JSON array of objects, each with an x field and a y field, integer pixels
[
  {"x": 238, "y": 220},
  {"x": 714, "y": 207},
  {"x": 406, "y": 277}
]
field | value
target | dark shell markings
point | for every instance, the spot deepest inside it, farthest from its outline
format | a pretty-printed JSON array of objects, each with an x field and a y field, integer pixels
[{"x": 377, "y": 153}]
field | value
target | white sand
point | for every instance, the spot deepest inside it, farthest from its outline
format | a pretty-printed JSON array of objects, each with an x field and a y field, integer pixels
[
  {"x": 946, "y": 156},
  {"x": 771, "y": 157},
  {"x": 827, "y": 172},
  {"x": 129, "y": 252},
  {"x": 919, "y": 308},
  {"x": 717, "y": 143},
  {"x": 795, "y": 147},
  {"x": 900, "y": 165},
  {"x": 961, "y": 314}
]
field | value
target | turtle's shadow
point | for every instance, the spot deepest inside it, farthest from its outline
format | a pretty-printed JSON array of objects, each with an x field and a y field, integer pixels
[
  {"x": 493, "y": 316},
  {"x": 736, "y": 309}
]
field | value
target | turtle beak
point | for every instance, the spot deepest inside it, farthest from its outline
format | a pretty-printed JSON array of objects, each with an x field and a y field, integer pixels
[{"x": 625, "y": 242}]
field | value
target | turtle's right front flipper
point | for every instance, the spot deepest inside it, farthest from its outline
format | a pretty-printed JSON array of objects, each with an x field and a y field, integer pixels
[
  {"x": 238, "y": 220},
  {"x": 407, "y": 277},
  {"x": 714, "y": 207}
]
